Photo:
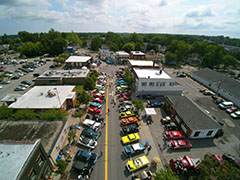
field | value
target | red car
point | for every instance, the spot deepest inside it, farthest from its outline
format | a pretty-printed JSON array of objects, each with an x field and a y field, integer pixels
[
  {"x": 219, "y": 159},
  {"x": 173, "y": 135},
  {"x": 95, "y": 110},
  {"x": 99, "y": 95},
  {"x": 2, "y": 68},
  {"x": 179, "y": 144},
  {"x": 231, "y": 109},
  {"x": 202, "y": 90},
  {"x": 98, "y": 100}
]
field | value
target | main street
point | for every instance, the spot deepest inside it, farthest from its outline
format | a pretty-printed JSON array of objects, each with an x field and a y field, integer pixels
[{"x": 115, "y": 161}]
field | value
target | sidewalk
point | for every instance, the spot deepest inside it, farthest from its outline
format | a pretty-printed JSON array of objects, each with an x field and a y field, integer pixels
[{"x": 146, "y": 134}]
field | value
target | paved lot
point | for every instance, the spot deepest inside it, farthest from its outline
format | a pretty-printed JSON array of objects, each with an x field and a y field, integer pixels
[{"x": 9, "y": 88}]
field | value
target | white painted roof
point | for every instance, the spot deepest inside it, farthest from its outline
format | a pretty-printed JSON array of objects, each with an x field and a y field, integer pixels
[
  {"x": 13, "y": 157},
  {"x": 141, "y": 63},
  {"x": 78, "y": 59},
  {"x": 38, "y": 98},
  {"x": 151, "y": 73},
  {"x": 122, "y": 53},
  {"x": 137, "y": 53}
]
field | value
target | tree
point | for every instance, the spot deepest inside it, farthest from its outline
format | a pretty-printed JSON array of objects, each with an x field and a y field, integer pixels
[
  {"x": 5, "y": 112},
  {"x": 214, "y": 56},
  {"x": 71, "y": 135},
  {"x": 209, "y": 169},
  {"x": 94, "y": 75},
  {"x": 57, "y": 46},
  {"x": 96, "y": 43},
  {"x": 171, "y": 58},
  {"x": 113, "y": 40},
  {"x": 88, "y": 84},
  {"x": 52, "y": 34},
  {"x": 25, "y": 114},
  {"x": 129, "y": 47},
  {"x": 229, "y": 60},
  {"x": 73, "y": 39},
  {"x": 128, "y": 77},
  {"x": 62, "y": 165},
  {"x": 166, "y": 174},
  {"x": 138, "y": 104},
  {"x": 84, "y": 97}
]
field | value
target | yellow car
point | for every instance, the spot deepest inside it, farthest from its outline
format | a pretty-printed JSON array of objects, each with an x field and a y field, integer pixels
[
  {"x": 126, "y": 114},
  {"x": 133, "y": 165},
  {"x": 130, "y": 138}
]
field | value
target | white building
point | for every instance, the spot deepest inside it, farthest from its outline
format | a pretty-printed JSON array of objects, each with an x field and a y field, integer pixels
[
  {"x": 78, "y": 61},
  {"x": 47, "y": 97},
  {"x": 122, "y": 57}
]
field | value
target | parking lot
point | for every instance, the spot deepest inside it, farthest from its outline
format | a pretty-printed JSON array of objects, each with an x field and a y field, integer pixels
[
  {"x": 9, "y": 88},
  {"x": 229, "y": 142}
]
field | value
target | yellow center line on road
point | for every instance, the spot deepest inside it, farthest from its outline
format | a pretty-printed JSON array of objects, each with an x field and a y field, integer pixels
[{"x": 106, "y": 135}]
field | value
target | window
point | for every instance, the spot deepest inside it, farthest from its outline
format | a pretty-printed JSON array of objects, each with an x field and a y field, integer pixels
[
  {"x": 209, "y": 133},
  {"x": 32, "y": 174},
  {"x": 151, "y": 84},
  {"x": 171, "y": 83},
  {"x": 40, "y": 160},
  {"x": 144, "y": 84},
  {"x": 162, "y": 83},
  {"x": 196, "y": 133},
  {"x": 157, "y": 83}
]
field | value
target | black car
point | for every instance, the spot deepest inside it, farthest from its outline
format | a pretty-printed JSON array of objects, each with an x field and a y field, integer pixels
[
  {"x": 15, "y": 77},
  {"x": 26, "y": 82},
  {"x": 231, "y": 159},
  {"x": 219, "y": 101},
  {"x": 87, "y": 157},
  {"x": 131, "y": 128}
]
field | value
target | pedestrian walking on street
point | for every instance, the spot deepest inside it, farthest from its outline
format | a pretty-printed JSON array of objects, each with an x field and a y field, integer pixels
[{"x": 149, "y": 149}]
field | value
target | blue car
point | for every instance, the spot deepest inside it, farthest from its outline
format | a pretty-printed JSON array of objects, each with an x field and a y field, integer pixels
[
  {"x": 86, "y": 156},
  {"x": 90, "y": 133},
  {"x": 156, "y": 104},
  {"x": 134, "y": 149},
  {"x": 109, "y": 62},
  {"x": 95, "y": 104}
]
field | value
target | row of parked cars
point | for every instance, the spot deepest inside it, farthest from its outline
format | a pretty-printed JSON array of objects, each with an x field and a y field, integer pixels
[
  {"x": 225, "y": 105},
  {"x": 129, "y": 127},
  {"x": 85, "y": 159}
]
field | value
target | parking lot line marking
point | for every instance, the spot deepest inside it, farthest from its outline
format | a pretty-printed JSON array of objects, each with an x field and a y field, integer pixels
[{"x": 106, "y": 136}]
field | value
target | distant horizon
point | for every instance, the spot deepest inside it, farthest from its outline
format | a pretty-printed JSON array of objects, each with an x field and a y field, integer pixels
[
  {"x": 185, "y": 17},
  {"x": 127, "y": 33}
]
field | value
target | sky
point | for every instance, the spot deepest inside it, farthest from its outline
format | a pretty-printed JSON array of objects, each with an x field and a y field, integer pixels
[{"x": 199, "y": 17}]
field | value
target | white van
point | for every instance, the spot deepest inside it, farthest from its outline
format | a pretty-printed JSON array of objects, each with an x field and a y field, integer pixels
[{"x": 225, "y": 105}]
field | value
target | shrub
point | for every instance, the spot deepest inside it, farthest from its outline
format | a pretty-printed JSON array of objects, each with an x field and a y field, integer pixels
[
  {"x": 62, "y": 165},
  {"x": 5, "y": 112},
  {"x": 24, "y": 114},
  {"x": 52, "y": 114},
  {"x": 79, "y": 113}
]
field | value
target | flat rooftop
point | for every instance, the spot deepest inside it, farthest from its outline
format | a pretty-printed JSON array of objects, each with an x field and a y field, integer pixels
[
  {"x": 64, "y": 74},
  {"x": 137, "y": 53},
  {"x": 80, "y": 59},
  {"x": 13, "y": 157},
  {"x": 141, "y": 63},
  {"x": 25, "y": 130},
  {"x": 39, "y": 98},
  {"x": 122, "y": 53},
  {"x": 151, "y": 73}
]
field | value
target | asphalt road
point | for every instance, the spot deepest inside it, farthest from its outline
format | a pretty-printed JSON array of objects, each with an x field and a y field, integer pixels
[{"x": 115, "y": 160}]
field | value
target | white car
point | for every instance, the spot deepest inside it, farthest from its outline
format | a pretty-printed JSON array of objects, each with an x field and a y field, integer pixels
[
  {"x": 87, "y": 142},
  {"x": 235, "y": 115},
  {"x": 92, "y": 124}
]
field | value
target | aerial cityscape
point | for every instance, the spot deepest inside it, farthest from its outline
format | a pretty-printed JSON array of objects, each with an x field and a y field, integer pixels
[{"x": 119, "y": 90}]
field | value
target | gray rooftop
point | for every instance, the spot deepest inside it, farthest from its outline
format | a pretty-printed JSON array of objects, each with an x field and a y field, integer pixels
[
  {"x": 228, "y": 84},
  {"x": 13, "y": 157},
  {"x": 192, "y": 114},
  {"x": 65, "y": 74},
  {"x": 40, "y": 97}
]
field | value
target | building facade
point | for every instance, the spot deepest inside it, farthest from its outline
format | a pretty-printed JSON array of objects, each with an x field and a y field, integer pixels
[
  {"x": 194, "y": 122},
  {"x": 137, "y": 55},
  {"x": 78, "y": 61},
  {"x": 23, "y": 160}
]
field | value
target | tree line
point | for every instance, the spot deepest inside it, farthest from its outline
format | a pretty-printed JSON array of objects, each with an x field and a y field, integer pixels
[{"x": 179, "y": 47}]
